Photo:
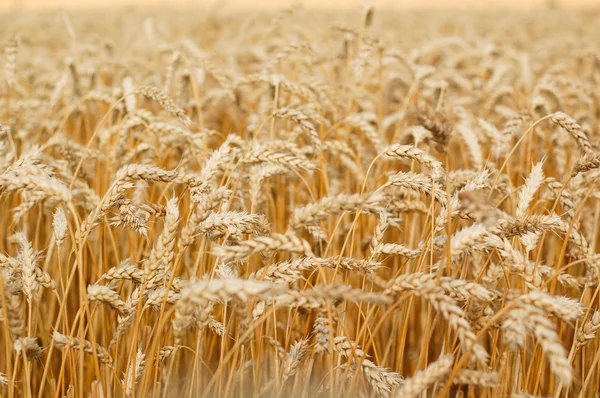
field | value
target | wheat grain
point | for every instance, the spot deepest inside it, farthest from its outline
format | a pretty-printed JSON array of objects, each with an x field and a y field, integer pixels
[
  {"x": 61, "y": 341},
  {"x": 570, "y": 125},
  {"x": 109, "y": 297},
  {"x": 424, "y": 379}
]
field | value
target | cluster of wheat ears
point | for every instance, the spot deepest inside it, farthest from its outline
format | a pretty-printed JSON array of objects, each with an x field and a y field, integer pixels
[{"x": 300, "y": 204}]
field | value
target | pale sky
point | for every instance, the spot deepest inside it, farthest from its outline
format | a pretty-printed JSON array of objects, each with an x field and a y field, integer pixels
[{"x": 254, "y": 4}]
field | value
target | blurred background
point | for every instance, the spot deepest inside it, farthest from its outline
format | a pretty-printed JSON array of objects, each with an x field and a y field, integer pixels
[{"x": 240, "y": 4}]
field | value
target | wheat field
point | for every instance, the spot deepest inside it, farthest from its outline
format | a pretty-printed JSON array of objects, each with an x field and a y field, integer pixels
[{"x": 300, "y": 203}]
